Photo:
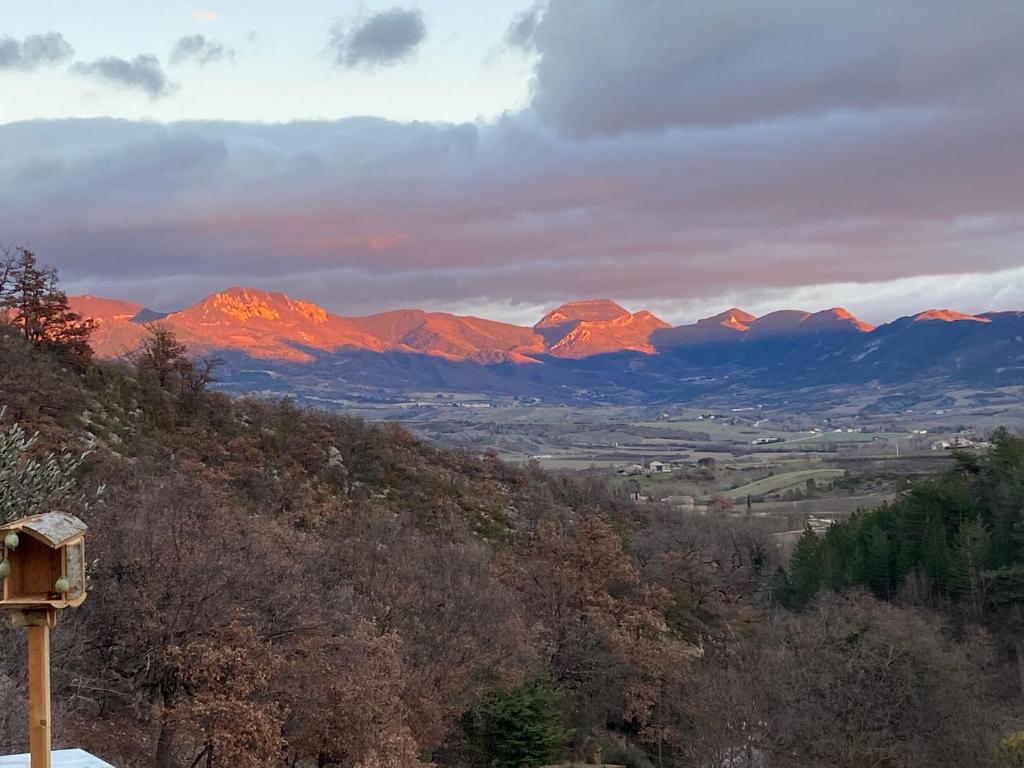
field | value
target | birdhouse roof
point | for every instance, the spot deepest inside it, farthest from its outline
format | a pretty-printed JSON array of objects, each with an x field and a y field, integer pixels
[{"x": 52, "y": 528}]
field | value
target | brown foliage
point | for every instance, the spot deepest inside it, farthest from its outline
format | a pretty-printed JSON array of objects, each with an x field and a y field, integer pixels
[
  {"x": 857, "y": 682},
  {"x": 278, "y": 586}
]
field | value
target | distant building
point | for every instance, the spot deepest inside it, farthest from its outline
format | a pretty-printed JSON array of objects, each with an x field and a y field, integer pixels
[
  {"x": 958, "y": 442},
  {"x": 657, "y": 466},
  {"x": 632, "y": 469},
  {"x": 767, "y": 440}
]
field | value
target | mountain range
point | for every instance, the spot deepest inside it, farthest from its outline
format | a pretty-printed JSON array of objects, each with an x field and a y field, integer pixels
[
  {"x": 589, "y": 350},
  {"x": 271, "y": 325}
]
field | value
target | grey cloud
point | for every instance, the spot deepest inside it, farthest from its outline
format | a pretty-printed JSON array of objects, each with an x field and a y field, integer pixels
[
  {"x": 608, "y": 67},
  {"x": 365, "y": 214},
  {"x": 142, "y": 73},
  {"x": 521, "y": 31},
  {"x": 379, "y": 40},
  {"x": 200, "y": 49},
  {"x": 34, "y": 52},
  {"x": 689, "y": 179}
]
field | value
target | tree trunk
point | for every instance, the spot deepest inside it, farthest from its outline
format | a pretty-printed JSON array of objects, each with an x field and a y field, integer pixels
[
  {"x": 165, "y": 745},
  {"x": 1020, "y": 663}
]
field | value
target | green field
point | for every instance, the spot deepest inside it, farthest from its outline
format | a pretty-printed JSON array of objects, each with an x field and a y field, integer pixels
[{"x": 782, "y": 482}]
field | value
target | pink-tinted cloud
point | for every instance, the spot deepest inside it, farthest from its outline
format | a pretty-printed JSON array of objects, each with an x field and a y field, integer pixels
[{"x": 673, "y": 178}]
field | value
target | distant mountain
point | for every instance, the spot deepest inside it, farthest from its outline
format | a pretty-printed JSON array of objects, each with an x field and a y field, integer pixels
[
  {"x": 118, "y": 329},
  {"x": 266, "y": 325},
  {"x": 270, "y": 325},
  {"x": 946, "y": 316},
  {"x": 452, "y": 337},
  {"x": 739, "y": 326},
  {"x": 584, "y": 328},
  {"x": 586, "y": 351},
  {"x": 724, "y": 327},
  {"x": 258, "y": 323}
]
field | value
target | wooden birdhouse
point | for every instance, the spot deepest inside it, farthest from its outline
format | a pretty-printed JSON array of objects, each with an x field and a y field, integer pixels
[{"x": 43, "y": 562}]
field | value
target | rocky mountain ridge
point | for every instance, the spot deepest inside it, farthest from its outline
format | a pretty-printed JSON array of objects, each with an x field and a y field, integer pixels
[{"x": 593, "y": 351}]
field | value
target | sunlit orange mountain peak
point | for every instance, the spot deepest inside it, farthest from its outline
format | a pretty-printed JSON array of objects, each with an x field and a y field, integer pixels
[
  {"x": 117, "y": 331},
  {"x": 454, "y": 337},
  {"x": 947, "y": 316},
  {"x": 592, "y": 310},
  {"x": 733, "y": 318},
  {"x": 242, "y": 304},
  {"x": 838, "y": 317},
  {"x": 98, "y": 307},
  {"x": 272, "y": 325},
  {"x": 795, "y": 322},
  {"x": 266, "y": 324},
  {"x": 597, "y": 326}
]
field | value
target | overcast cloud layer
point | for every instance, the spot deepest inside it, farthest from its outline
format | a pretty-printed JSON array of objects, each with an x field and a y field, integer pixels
[
  {"x": 679, "y": 156},
  {"x": 609, "y": 66}
]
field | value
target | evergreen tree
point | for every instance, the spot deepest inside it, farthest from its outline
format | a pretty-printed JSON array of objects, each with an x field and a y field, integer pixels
[
  {"x": 520, "y": 728},
  {"x": 881, "y": 571},
  {"x": 805, "y": 576},
  {"x": 33, "y": 302},
  {"x": 1005, "y": 593},
  {"x": 935, "y": 554},
  {"x": 969, "y": 563}
]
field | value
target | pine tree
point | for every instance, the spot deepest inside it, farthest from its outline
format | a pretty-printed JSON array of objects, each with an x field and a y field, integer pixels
[
  {"x": 1005, "y": 592},
  {"x": 33, "y": 302},
  {"x": 521, "y": 728},
  {"x": 879, "y": 564},
  {"x": 969, "y": 563},
  {"x": 806, "y": 571},
  {"x": 935, "y": 554}
]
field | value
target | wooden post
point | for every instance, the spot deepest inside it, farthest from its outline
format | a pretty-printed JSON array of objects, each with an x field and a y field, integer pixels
[{"x": 39, "y": 691}]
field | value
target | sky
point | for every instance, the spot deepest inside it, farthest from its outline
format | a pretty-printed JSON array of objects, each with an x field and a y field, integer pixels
[{"x": 499, "y": 158}]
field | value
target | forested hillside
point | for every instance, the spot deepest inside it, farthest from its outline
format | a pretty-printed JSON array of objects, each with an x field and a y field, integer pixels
[
  {"x": 274, "y": 586},
  {"x": 953, "y": 543}
]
